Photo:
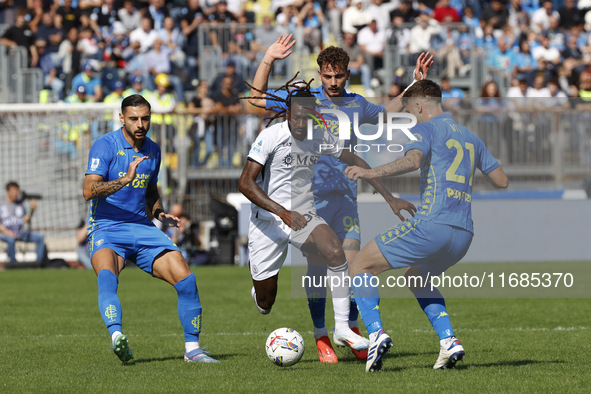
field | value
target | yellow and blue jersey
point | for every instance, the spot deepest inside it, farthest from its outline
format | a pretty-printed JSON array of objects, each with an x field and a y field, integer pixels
[
  {"x": 329, "y": 172},
  {"x": 110, "y": 157},
  {"x": 451, "y": 155}
]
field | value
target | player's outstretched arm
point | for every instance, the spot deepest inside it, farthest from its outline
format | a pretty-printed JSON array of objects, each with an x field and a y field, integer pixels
[
  {"x": 95, "y": 187},
  {"x": 247, "y": 185},
  {"x": 410, "y": 162},
  {"x": 497, "y": 178},
  {"x": 280, "y": 49},
  {"x": 154, "y": 206},
  {"x": 397, "y": 204},
  {"x": 424, "y": 62}
]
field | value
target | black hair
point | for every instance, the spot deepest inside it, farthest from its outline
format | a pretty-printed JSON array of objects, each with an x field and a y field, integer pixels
[
  {"x": 135, "y": 100},
  {"x": 12, "y": 184}
]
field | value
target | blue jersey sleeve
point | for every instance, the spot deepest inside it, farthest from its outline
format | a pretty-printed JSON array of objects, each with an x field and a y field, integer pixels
[
  {"x": 99, "y": 158},
  {"x": 423, "y": 142},
  {"x": 486, "y": 161},
  {"x": 274, "y": 103},
  {"x": 370, "y": 111}
]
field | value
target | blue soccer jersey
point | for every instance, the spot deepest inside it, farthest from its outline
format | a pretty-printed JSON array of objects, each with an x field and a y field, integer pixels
[
  {"x": 110, "y": 157},
  {"x": 451, "y": 155},
  {"x": 329, "y": 172}
]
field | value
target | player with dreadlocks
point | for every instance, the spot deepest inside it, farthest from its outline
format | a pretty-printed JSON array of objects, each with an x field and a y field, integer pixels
[
  {"x": 335, "y": 196},
  {"x": 277, "y": 179}
]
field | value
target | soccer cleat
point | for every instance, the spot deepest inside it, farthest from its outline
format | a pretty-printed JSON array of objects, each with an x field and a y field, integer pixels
[
  {"x": 449, "y": 354},
  {"x": 348, "y": 338},
  {"x": 360, "y": 354},
  {"x": 121, "y": 348},
  {"x": 254, "y": 297},
  {"x": 377, "y": 350},
  {"x": 326, "y": 353},
  {"x": 199, "y": 356}
]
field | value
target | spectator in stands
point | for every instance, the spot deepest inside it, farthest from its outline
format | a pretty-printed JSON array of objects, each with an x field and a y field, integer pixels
[
  {"x": 311, "y": 19},
  {"x": 103, "y": 17},
  {"x": 129, "y": 16},
  {"x": 570, "y": 16},
  {"x": 571, "y": 49},
  {"x": 544, "y": 51},
  {"x": 540, "y": 19},
  {"x": 221, "y": 13},
  {"x": 14, "y": 218},
  {"x": 405, "y": 11},
  {"x": 158, "y": 12},
  {"x": 518, "y": 91},
  {"x": 558, "y": 97},
  {"x": 357, "y": 63},
  {"x": 202, "y": 109},
  {"x": 145, "y": 34},
  {"x": 137, "y": 87},
  {"x": 227, "y": 108},
  {"x": 523, "y": 62},
  {"x": 238, "y": 86},
  {"x": 264, "y": 36},
  {"x": 538, "y": 88},
  {"x": 116, "y": 95},
  {"x": 421, "y": 34},
  {"x": 163, "y": 104},
  {"x": 334, "y": 12},
  {"x": 88, "y": 45},
  {"x": 69, "y": 56},
  {"x": 87, "y": 79},
  {"x": 158, "y": 62},
  {"x": 355, "y": 17},
  {"x": 450, "y": 97},
  {"x": 192, "y": 17},
  {"x": 501, "y": 58},
  {"x": 136, "y": 66},
  {"x": 444, "y": 13},
  {"x": 496, "y": 15},
  {"x": 174, "y": 40},
  {"x": 79, "y": 95},
  {"x": 48, "y": 32},
  {"x": 372, "y": 42},
  {"x": 380, "y": 11},
  {"x": 50, "y": 73},
  {"x": 67, "y": 16},
  {"x": 490, "y": 98},
  {"x": 20, "y": 35}
]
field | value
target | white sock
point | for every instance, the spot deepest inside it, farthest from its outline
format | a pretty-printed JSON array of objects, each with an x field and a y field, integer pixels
[
  {"x": 190, "y": 346},
  {"x": 320, "y": 332},
  {"x": 338, "y": 280},
  {"x": 115, "y": 334}
]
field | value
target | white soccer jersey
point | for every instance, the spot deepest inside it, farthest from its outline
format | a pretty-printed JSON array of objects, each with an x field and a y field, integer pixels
[{"x": 289, "y": 166}]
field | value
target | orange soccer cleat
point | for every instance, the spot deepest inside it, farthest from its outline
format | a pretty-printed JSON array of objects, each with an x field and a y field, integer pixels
[{"x": 326, "y": 353}]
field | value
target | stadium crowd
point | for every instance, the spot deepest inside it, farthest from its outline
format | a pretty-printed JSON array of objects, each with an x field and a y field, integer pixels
[
  {"x": 104, "y": 50},
  {"x": 96, "y": 43}
]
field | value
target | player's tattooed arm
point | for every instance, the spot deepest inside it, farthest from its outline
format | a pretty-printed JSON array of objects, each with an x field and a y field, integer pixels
[
  {"x": 410, "y": 162},
  {"x": 95, "y": 186},
  {"x": 396, "y": 204},
  {"x": 153, "y": 202}
]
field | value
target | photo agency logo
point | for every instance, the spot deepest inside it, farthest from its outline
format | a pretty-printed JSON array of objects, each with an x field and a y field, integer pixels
[{"x": 344, "y": 123}]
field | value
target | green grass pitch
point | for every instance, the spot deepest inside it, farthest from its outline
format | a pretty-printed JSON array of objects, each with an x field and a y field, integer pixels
[{"x": 52, "y": 339}]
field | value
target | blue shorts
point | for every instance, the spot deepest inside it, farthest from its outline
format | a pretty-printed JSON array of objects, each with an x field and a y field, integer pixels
[
  {"x": 432, "y": 246},
  {"x": 340, "y": 213},
  {"x": 137, "y": 242}
]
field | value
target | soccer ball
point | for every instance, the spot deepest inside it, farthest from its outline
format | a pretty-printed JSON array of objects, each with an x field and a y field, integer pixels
[{"x": 285, "y": 347}]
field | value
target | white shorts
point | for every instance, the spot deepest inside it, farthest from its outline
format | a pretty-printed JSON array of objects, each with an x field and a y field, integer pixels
[{"x": 268, "y": 240}]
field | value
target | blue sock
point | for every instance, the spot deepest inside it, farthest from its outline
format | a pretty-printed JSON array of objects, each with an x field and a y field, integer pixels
[
  {"x": 368, "y": 301},
  {"x": 189, "y": 308},
  {"x": 316, "y": 292},
  {"x": 433, "y": 304},
  {"x": 108, "y": 300},
  {"x": 353, "y": 311}
]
